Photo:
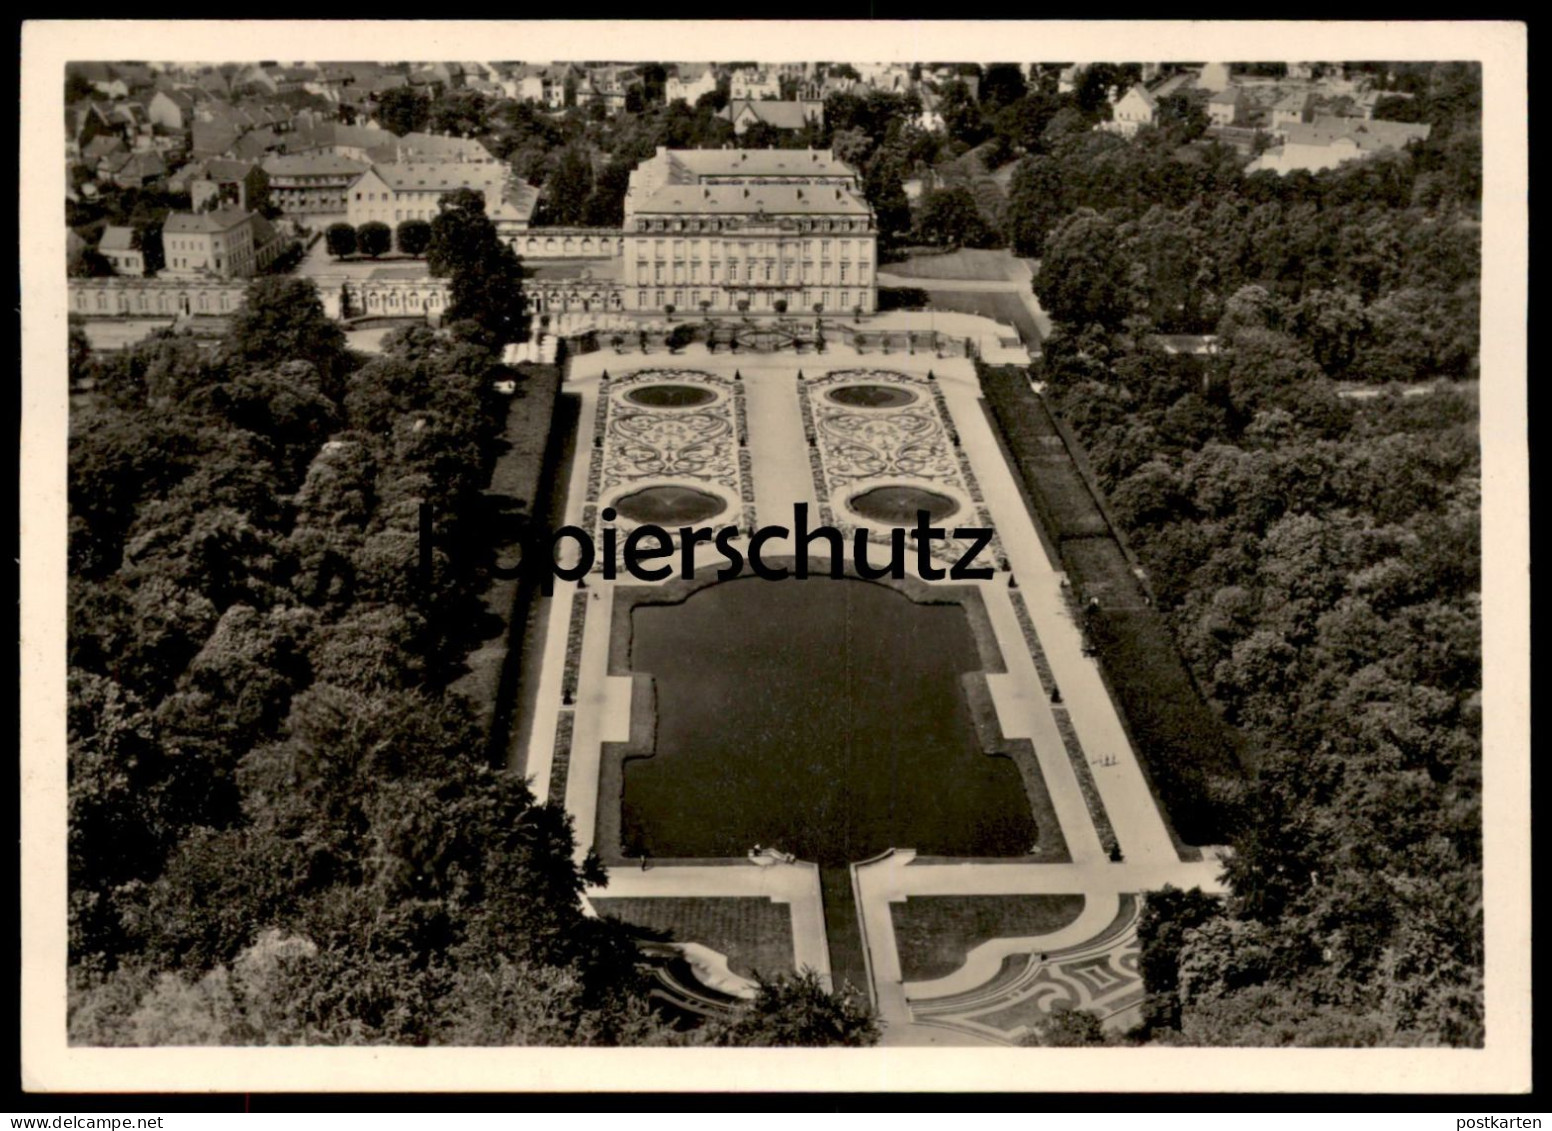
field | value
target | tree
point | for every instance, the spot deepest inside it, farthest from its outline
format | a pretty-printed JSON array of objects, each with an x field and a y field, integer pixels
[
  {"x": 795, "y": 1011},
  {"x": 401, "y": 110},
  {"x": 1002, "y": 85},
  {"x": 568, "y": 187},
  {"x": 852, "y": 146},
  {"x": 340, "y": 239},
  {"x": 89, "y": 263},
  {"x": 413, "y": 237},
  {"x": 485, "y": 276},
  {"x": 885, "y": 192},
  {"x": 1083, "y": 278},
  {"x": 79, "y": 364},
  {"x": 1034, "y": 205},
  {"x": 1418, "y": 334},
  {"x": 459, "y": 113},
  {"x": 283, "y": 319},
  {"x": 760, "y": 135},
  {"x": 1333, "y": 323},
  {"x": 949, "y": 217},
  {"x": 1066, "y": 1027},
  {"x": 1166, "y": 917},
  {"x": 1022, "y": 124},
  {"x": 1183, "y": 116},
  {"x": 962, "y": 117},
  {"x": 374, "y": 238},
  {"x": 605, "y": 207}
]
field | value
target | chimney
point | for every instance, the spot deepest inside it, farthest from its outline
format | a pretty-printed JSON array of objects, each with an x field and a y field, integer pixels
[{"x": 746, "y": 194}]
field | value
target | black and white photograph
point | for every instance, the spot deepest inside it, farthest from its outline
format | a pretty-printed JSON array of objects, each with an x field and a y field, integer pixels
[{"x": 544, "y": 542}]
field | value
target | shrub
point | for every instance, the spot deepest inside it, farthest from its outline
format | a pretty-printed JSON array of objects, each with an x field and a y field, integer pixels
[
  {"x": 374, "y": 238},
  {"x": 340, "y": 240},
  {"x": 413, "y": 237},
  {"x": 679, "y": 337}
]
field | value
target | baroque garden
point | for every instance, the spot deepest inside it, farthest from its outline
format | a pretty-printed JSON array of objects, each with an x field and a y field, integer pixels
[{"x": 818, "y": 773}]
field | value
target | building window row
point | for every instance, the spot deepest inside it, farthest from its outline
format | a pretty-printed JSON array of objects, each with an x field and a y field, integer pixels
[{"x": 804, "y": 225}]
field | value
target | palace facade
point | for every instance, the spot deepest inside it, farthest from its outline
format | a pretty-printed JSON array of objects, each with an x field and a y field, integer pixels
[{"x": 762, "y": 231}]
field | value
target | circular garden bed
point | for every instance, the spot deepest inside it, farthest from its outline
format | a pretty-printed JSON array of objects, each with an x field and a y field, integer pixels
[
  {"x": 669, "y": 505},
  {"x": 898, "y": 505},
  {"x": 872, "y": 396},
  {"x": 671, "y": 396}
]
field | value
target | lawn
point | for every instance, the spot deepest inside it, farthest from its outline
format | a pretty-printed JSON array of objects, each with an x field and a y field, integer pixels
[
  {"x": 1003, "y": 306},
  {"x": 754, "y": 934},
  {"x": 935, "y": 933},
  {"x": 417, "y": 272},
  {"x": 966, "y": 263}
]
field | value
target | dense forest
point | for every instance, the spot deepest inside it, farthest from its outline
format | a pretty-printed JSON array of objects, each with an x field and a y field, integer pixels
[
  {"x": 1317, "y": 555},
  {"x": 283, "y": 829}
]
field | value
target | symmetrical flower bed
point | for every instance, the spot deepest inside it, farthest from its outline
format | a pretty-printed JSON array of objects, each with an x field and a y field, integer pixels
[
  {"x": 638, "y": 444},
  {"x": 908, "y": 443}
]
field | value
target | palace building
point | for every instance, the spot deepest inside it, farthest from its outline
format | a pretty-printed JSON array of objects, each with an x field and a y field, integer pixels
[{"x": 726, "y": 230}]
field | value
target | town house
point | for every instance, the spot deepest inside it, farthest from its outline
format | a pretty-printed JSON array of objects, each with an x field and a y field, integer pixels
[{"x": 216, "y": 243}]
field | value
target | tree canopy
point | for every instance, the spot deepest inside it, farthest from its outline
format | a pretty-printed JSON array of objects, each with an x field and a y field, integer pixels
[{"x": 485, "y": 278}]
